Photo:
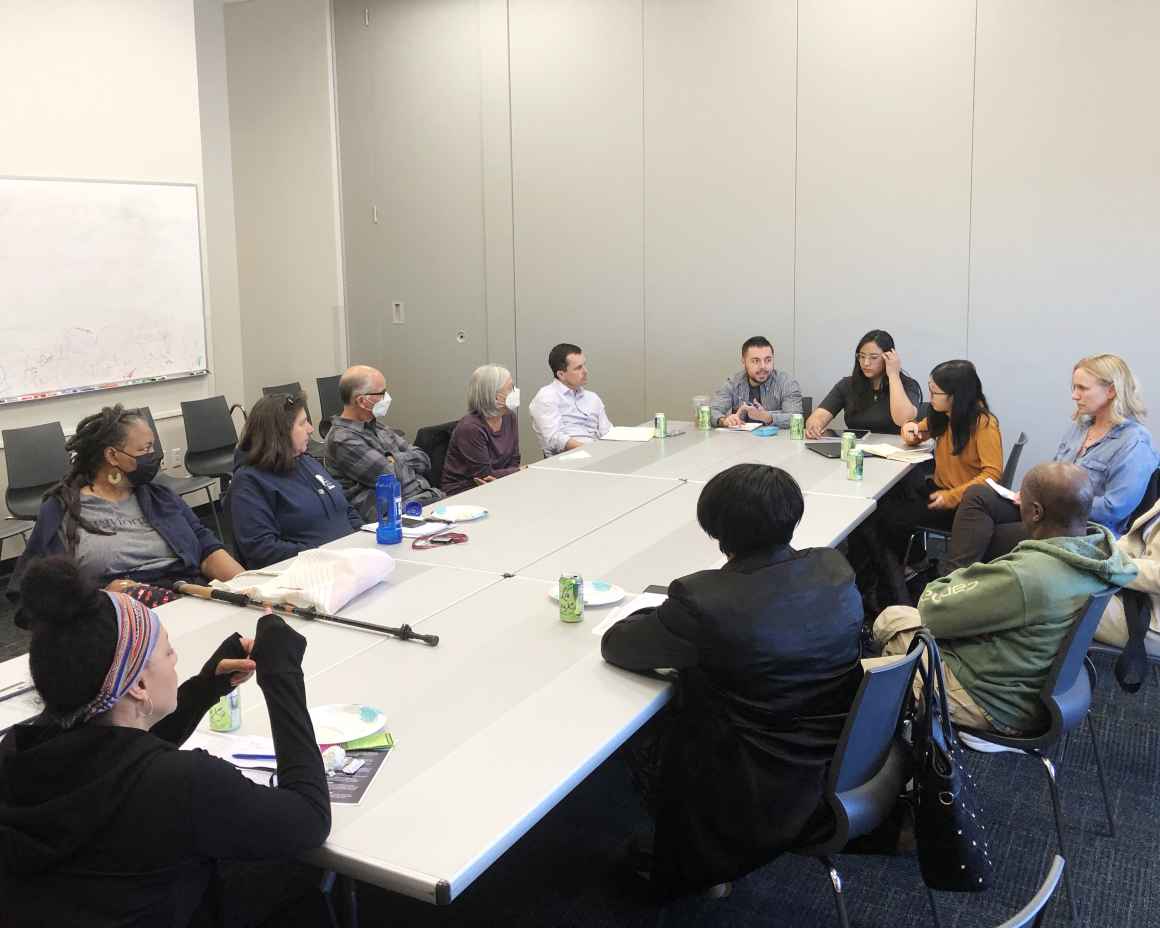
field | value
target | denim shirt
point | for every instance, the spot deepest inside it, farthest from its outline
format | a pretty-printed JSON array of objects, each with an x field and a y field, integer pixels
[{"x": 1118, "y": 465}]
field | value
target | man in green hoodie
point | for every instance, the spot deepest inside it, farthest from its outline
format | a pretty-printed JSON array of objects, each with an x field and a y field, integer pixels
[{"x": 1000, "y": 625}]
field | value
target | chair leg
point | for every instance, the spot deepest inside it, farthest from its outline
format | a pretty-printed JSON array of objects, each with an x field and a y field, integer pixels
[
  {"x": 1100, "y": 772},
  {"x": 836, "y": 885},
  {"x": 1049, "y": 769},
  {"x": 214, "y": 509},
  {"x": 350, "y": 901},
  {"x": 933, "y": 907}
]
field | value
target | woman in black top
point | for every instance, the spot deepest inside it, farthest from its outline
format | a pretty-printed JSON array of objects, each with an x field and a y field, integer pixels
[
  {"x": 103, "y": 821},
  {"x": 768, "y": 653},
  {"x": 877, "y": 396}
]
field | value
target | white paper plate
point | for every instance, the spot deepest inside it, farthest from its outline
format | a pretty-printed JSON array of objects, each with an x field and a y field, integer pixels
[
  {"x": 596, "y": 593},
  {"x": 339, "y": 724},
  {"x": 458, "y": 513}
]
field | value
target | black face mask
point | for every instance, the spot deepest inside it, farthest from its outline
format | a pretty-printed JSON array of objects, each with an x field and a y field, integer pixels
[{"x": 147, "y": 467}]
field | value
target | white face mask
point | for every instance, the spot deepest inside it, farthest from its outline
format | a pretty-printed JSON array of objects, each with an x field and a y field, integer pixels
[
  {"x": 380, "y": 408},
  {"x": 512, "y": 401}
]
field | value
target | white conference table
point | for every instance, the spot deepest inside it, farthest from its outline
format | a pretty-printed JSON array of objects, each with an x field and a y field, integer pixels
[
  {"x": 697, "y": 456},
  {"x": 662, "y": 540},
  {"x": 513, "y": 708}
]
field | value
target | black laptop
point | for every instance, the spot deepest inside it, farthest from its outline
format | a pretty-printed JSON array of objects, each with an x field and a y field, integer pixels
[{"x": 827, "y": 449}]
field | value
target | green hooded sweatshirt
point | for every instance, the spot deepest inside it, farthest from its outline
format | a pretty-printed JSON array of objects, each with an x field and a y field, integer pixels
[{"x": 1000, "y": 625}]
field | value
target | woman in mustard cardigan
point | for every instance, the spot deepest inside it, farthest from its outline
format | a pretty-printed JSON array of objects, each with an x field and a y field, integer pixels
[{"x": 968, "y": 449}]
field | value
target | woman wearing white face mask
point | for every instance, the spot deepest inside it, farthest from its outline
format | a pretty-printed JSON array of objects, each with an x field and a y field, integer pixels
[{"x": 486, "y": 443}]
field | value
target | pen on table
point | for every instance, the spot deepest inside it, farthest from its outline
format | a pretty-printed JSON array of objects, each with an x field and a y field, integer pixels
[
  {"x": 253, "y": 757},
  {"x": 16, "y": 689}
]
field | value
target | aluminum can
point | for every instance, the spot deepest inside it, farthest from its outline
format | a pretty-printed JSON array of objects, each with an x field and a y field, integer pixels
[
  {"x": 797, "y": 426},
  {"x": 854, "y": 464},
  {"x": 226, "y": 713},
  {"x": 704, "y": 418},
  {"x": 571, "y": 598},
  {"x": 849, "y": 440},
  {"x": 660, "y": 425}
]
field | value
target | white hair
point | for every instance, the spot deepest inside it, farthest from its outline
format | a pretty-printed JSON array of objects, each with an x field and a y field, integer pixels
[{"x": 485, "y": 383}]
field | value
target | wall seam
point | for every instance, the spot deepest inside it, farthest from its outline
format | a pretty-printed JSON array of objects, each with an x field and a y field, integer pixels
[
  {"x": 483, "y": 193},
  {"x": 643, "y": 221},
  {"x": 971, "y": 179},
  {"x": 512, "y": 180},
  {"x": 796, "y": 132}
]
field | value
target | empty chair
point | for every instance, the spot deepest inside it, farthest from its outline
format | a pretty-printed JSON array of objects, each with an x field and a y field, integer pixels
[
  {"x": 210, "y": 438},
  {"x": 1067, "y": 697},
  {"x": 807, "y": 406},
  {"x": 36, "y": 459},
  {"x": 870, "y": 764},
  {"x": 182, "y": 486},
  {"x": 9, "y": 528},
  {"x": 329, "y": 402}
]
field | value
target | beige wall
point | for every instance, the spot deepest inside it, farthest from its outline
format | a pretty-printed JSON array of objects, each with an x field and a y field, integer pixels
[
  {"x": 284, "y": 166},
  {"x": 976, "y": 177},
  {"x": 116, "y": 90}
]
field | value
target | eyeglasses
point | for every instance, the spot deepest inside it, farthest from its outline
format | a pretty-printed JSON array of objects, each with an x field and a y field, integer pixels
[
  {"x": 934, "y": 392},
  {"x": 380, "y": 393},
  {"x": 438, "y": 540},
  {"x": 867, "y": 358}
]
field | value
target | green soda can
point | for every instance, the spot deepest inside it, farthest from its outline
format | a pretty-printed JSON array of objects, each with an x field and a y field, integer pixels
[
  {"x": 226, "y": 713},
  {"x": 854, "y": 464},
  {"x": 849, "y": 439},
  {"x": 660, "y": 425},
  {"x": 797, "y": 427},
  {"x": 704, "y": 418},
  {"x": 571, "y": 598}
]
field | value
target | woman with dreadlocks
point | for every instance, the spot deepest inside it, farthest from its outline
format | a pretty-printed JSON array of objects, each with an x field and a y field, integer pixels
[{"x": 120, "y": 526}]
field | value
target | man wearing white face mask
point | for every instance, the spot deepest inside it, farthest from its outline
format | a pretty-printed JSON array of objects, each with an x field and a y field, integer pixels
[
  {"x": 359, "y": 448},
  {"x": 486, "y": 442}
]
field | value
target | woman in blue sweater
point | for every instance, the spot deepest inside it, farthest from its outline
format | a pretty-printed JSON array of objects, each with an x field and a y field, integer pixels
[{"x": 283, "y": 501}]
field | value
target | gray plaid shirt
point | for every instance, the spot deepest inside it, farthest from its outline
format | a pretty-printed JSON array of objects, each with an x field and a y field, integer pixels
[
  {"x": 358, "y": 453},
  {"x": 780, "y": 394}
]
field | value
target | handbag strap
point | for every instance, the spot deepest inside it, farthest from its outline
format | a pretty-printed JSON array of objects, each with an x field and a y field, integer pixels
[{"x": 934, "y": 684}]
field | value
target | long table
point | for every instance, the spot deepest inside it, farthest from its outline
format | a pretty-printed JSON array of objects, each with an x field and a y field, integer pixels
[{"x": 513, "y": 708}]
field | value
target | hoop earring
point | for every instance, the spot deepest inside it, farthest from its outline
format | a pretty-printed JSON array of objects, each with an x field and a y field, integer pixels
[{"x": 114, "y": 477}]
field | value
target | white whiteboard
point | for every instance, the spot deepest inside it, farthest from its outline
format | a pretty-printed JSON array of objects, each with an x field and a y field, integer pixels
[{"x": 100, "y": 286}]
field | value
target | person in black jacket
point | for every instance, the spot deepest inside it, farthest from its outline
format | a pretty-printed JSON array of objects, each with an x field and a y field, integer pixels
[
  {"x": 109, "y": 514},
  {"x": 103, "y": 820},
  {"x": 768, "y": 653},
  {"x": 282, "y": 500}
]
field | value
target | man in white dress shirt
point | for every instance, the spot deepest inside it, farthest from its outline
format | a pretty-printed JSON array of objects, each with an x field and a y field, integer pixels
[{"x": 564, "y": 414}]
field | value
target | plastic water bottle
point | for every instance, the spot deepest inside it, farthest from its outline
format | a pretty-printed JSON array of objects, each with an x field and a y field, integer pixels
[{"x": 389, "y": 503}]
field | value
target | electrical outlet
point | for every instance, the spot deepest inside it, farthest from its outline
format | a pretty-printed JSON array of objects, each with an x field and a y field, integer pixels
[{"x": 397, "y": 313}]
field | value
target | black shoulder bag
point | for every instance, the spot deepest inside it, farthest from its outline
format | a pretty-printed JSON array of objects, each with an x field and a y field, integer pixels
[{"x": 953, "y": 849}]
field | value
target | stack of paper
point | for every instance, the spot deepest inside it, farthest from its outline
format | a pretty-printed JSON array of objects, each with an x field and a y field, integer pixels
[{"x": 628, "y": 433}]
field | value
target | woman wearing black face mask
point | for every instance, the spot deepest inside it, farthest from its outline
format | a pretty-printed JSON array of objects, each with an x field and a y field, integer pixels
[{"x": 110, "y": 516}]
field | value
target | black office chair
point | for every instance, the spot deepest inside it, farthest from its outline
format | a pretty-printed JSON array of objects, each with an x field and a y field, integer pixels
[
  {"x": 1067, "y": 697},
  {"x": 870, "y": 765},
  {"x": 36, "y": 460},
  {"x": 936, "y": 541},
  {"x": 329, "y": 402},
  {"x": 182, "y": 486},
  {"x": 1032, "y": 914},
  {"x": 1132, "y": 660},
  {"x": 292, "y": 388},
  {"x": 210, "y": 439},
  {"x": 435, "y": 440},
  {"x": 314, "y": 448},
  {"x": 807, "y": 406}
]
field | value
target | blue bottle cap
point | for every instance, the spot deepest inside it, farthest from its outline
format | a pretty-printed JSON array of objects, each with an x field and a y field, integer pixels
[{"x": 413, "y": 508}]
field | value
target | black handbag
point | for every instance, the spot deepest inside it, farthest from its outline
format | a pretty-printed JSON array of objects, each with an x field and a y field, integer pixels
[{"x": 953, "y": 842}]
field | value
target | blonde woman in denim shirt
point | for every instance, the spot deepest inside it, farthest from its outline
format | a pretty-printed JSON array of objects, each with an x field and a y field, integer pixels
[{"x": 1106, "y": 439}]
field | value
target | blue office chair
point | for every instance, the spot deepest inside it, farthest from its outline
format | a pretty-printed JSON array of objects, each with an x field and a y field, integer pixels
[
  {"x": 1032, "y": 914},
  {"x": 870, "y": 765},
  {"x": 1067, "y": 697}
]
